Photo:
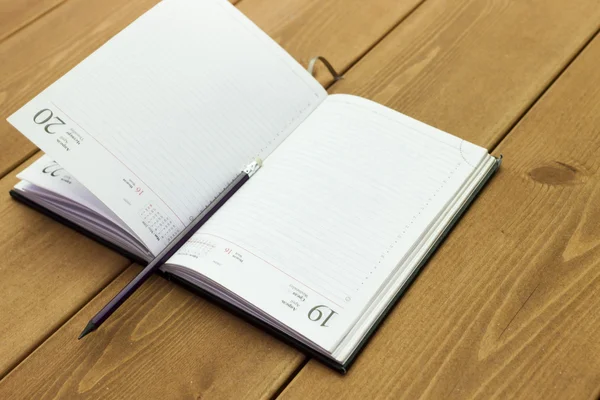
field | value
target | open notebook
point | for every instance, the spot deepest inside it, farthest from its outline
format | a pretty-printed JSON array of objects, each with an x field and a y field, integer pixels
[{"x": 352, "y": 198}]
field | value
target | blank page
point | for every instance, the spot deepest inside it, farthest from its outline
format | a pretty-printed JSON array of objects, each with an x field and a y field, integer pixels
[
  {"x": 161, "y": 118},
  {"x": 332, "y": 213}
]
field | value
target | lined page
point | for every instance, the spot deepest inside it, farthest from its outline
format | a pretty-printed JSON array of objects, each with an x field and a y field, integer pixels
[
  {"x": 48, "y": 175},
  {"x": 161, "y": 118},
  {"x": 331, "y": 214}
]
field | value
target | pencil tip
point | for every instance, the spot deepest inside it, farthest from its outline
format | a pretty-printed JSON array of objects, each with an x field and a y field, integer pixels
[{"x": 90, "y": 327}]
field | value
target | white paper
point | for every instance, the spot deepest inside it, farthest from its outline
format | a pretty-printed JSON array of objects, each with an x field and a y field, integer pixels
[
  {"x": 162, "y": 117},
  {"x": 47, "y": 174},
  {"x": 332, "y": 213}
]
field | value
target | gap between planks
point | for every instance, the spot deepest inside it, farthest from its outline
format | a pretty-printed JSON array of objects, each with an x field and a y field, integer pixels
[
  {"x": 537, "y": 98},
  {"x": 30, "y": 21},
  {"x": 66, "y": 318}
]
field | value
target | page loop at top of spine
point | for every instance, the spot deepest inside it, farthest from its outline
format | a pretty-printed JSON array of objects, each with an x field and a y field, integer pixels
[{"x": 332, "y": 71}]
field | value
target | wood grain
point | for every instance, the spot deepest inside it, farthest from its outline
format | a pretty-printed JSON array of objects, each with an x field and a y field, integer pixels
[
  {"x": 165, "y": 344},
  {"x": 47, "y": 272},
  {"x": 342, "y": 31},
  {"x": 48, "y": 48},
  {"x": 472, "y": 67},
  {"x": 509, "y": 307},
  {"x": 14, "y": 15}
]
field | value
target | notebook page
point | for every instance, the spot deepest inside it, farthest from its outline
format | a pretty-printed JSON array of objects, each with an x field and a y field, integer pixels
[
  {"x": 47, "y": 174},
  {"x": 315, "y": 233},
  {"x": 161, "y": 118}
]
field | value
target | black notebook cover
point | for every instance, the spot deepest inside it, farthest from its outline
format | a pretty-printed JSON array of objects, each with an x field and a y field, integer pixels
[{"x": 343, "y": 368}]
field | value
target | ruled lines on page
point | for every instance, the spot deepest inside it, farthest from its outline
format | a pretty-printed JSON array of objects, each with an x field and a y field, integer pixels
[
  {"x": 161, "y": 118},
  {"x": 333, "y": 212}
]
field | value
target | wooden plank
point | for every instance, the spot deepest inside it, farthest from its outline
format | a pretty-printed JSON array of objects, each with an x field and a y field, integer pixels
[
  {"x": 509, "y": 306},
  {"x": 45, "y": 50},
  {"x": 18, "y": 13},
  {"x": 35, "y": 57},
  {"x": 47, "y": 272},
  {"x": 472, "y": 67},
  {"x": 342, "y": 31},
  {"x": 166, "y": 344}
]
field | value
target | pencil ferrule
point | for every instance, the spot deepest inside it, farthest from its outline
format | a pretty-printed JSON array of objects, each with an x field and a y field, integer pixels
[{"x": 253, "y": 167}]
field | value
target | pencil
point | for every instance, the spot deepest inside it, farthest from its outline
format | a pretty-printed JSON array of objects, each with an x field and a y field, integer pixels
[{"x": 171, "y": 248}]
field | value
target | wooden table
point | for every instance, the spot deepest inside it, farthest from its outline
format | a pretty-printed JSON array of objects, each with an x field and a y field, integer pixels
[{"x": 509, "y": 307}]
